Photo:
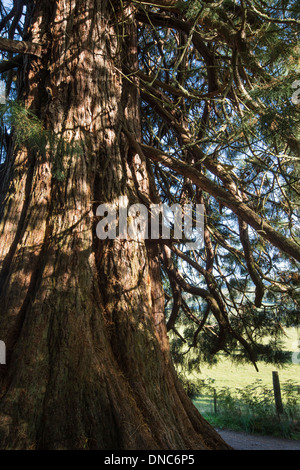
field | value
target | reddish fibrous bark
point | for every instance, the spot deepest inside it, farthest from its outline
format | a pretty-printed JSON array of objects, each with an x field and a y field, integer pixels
[{"x": 88, "y": 360}]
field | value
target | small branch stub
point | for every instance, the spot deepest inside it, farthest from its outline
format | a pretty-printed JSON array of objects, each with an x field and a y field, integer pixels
[{"x": 21, "y": 47}]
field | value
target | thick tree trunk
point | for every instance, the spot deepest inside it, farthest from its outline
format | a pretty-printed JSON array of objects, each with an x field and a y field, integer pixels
[{"x": 88, "y": 362}]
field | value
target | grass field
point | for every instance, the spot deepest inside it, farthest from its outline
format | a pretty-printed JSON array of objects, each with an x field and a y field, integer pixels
[
  {"x": 232, "y": 380},
  {"x": 227, "y": 374},
  {"x": 232, "y": 375}
]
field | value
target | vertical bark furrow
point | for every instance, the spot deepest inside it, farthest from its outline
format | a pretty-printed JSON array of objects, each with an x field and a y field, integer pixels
[{"x": 90, "y": 367}]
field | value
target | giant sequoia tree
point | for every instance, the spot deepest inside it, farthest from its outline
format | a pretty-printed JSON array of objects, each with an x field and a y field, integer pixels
[{"x": 156, "y": 101}]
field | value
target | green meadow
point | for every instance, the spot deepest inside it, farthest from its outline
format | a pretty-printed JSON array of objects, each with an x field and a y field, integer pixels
[
  {"x": 236, "y": 396},
  {"x": 230, "y": 374}
]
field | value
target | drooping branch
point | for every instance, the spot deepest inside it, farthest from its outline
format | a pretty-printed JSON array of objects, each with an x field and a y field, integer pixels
[
  {"x": 226, "y": 198},
  {"x": 221, "y": 316},
  {"x": 209, "y": 22},
  {"x": 259, "y": 286}
]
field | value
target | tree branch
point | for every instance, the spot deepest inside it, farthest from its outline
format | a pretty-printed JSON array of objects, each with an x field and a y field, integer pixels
[
  {"x": 11, "y": 64},
  {"x": 226, "y": 198},
  {"x": 21, "y": 47}
]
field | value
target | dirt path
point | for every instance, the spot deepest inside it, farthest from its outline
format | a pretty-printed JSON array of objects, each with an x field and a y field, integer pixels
[{"x": 243, "y": 441}]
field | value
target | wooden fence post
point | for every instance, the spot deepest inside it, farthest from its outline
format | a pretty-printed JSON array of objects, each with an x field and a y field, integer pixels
[
  {"x": 277, "y": 393},
  {"x": 215, "y": 401}
]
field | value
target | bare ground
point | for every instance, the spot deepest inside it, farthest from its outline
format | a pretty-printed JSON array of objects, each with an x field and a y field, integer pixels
[{"x": 243, "y": 441}]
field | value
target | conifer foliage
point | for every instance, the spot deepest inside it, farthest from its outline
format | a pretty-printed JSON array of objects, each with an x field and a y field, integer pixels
[
  {"x": 220, "y": 116},
  {"x": 208, "y": 114}
]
